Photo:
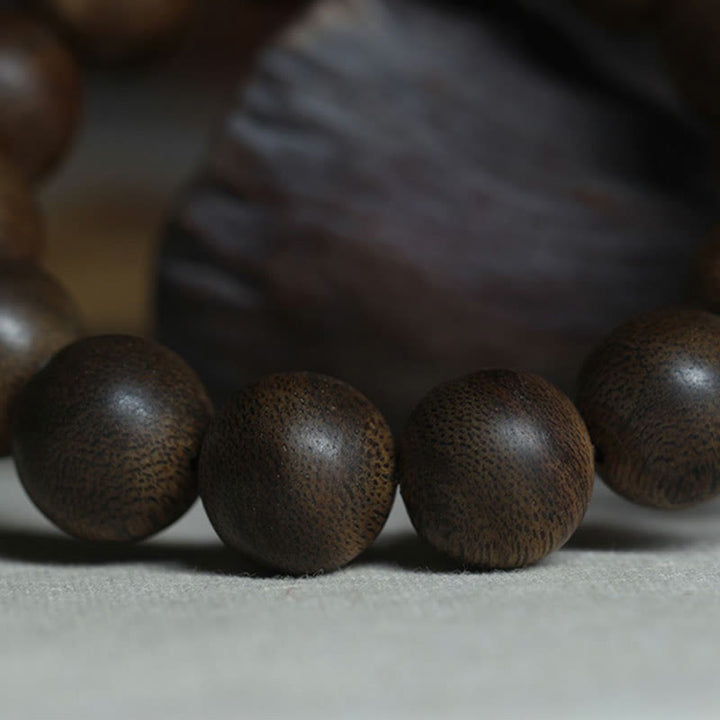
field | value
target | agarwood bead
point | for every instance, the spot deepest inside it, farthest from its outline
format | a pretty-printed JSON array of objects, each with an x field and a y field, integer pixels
[
  {"x": 624, "y": 14},
  {"x": 297, "y": 472},
  {"x": 690, "y": 38},
  {"x": 650, "y": 394},
  {"x": 40, "y": 95},
  {"x": 496, "y": 469},
  {"x": 106, "y": 438},
  {"x": 115, "y": 30},
  {"x": 37, "y": 318},
  {"x": 21, "y": 227}
]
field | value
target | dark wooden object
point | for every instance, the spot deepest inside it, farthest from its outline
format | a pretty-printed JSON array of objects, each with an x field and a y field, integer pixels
[
  {"x": 37, "y": 318},
  {"x": 407, "y": 191},
  {"x": 650, "y": 395},
  {"x": 114, "y": 30},
  {"x": 106, "y": 438},
  {"x": 40, "y": 95},
  {"x": 496, "y": 469},
  {"x": 21, "y": 227},
  {"x": 297, "y": 472}
]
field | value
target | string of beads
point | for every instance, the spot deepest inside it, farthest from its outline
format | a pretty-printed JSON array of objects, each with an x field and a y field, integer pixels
[{"x": 114, "y": 436}]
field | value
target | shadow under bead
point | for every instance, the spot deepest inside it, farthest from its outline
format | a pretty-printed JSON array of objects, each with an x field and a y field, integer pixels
[
  {"x": 106, "y": 438},
  {"x": 297, "y": 472},
  {"x": 496, "y": 469},
  {"x": 21, "y": 227},
  {"x": 650, "y": 395},
  {"x": 40, "y": 95},
  {"x": 37, "y": 318},
  {"x": 122, "y": 29}
]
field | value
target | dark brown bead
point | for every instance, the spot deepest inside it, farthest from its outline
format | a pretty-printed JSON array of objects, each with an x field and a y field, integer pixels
[
  {"x": 297, "y": 472},
  {"x": 106, "y": 438},
  {"x": 118, "y": 29},
  {"x": 37, "y": 318},
  {"x": 40, "y": 95},
  {"x": 650, "y": 395},
  {"x": 624, "y": 14},
  {"x": 21, "y": 229},
  {"x": 690, "y": 34},
  {"x": 705, "y": 276},
  {"x": 496, "y": 469}
]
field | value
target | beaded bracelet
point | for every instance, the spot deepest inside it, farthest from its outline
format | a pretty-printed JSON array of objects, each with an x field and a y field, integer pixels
[{"x": 114, "y": 436}]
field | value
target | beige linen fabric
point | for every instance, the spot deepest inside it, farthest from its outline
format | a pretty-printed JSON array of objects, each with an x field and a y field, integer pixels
[{"x": 624, "y": 623}]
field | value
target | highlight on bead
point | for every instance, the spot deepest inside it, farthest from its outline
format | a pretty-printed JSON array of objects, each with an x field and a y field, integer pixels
[
  {"x": 496, "y": 469},
  {"x": 650, "y": 395},
  {"x": 297, "y": 472},
  {"x": 37, "y": 318},
  {"x": 40, "y": 95},
  {"x": 106, "y": 438}
]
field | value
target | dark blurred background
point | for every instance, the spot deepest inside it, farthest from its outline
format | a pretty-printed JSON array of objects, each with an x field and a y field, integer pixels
[{"x": 145, "y": 130}]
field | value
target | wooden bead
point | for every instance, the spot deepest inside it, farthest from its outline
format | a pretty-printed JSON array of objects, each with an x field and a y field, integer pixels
[
  {"x": 705, "y": 276},
  {"x": 496, "y": 469},
  {"x": 40, "y": 95},
  {"x": 37, "y": 318},
  {"x": 650, "y": 394},
  {"x": 106, "y": 438},
  {"x": 297, "y": 472},
  {"x": 119, "y": 29},
  {"x": 690, "y": 38},
  {"x": 21, "y": 228}
]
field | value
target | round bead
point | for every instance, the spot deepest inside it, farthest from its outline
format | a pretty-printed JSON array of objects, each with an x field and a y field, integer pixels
[
  {"x": 21, "y": 229},
  {"x": 40, "y": 95},
  {"x": 114, "y": 30},
  {"x": 106, "y": 438},
  {"x": 650, "y": 395},
  {"x": 297, "y": 472},
  {"x": 496, "y": 469},
  {"x": 37, "y": 318}
]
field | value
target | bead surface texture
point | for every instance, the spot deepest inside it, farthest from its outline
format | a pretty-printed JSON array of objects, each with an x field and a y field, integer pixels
[
  {"x": 496, "y": 469},
  {"x": 297, "y": 472},
  {"x": 106, "y": 438},
  {"x": 650, "y": 394}
]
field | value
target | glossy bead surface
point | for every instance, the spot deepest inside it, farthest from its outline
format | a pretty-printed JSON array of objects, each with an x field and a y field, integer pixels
[
  {"x": 650, "y": 395},
  {"x": 496, "y": 469},
  {"x": 297, "y": 472},
  {"x": 119, "y": 29},
  {"x": 21, "y": 228},
  {"x": 37, "y": 318},
  {"x": 106, "y": 438},
  {"x": 40, "y": 95}
]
